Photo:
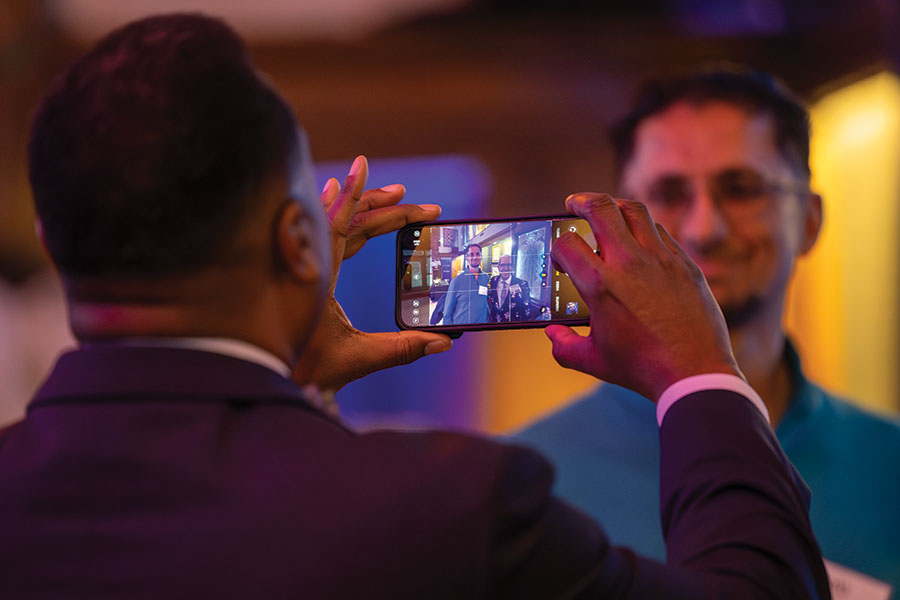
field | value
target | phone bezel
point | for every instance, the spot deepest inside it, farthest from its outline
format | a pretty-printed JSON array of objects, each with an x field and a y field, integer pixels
[{"x": 456, "y": 330}]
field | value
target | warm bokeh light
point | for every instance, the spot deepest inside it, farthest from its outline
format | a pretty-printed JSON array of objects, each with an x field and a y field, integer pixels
[{"x": 844, "y": 302}]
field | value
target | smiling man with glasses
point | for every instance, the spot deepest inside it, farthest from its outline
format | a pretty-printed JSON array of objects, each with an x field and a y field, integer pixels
[{"x": 721, "y": 160}]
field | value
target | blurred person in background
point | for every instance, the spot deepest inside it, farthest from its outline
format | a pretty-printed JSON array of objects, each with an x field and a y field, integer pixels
[
  {"x": 172, "y": 455},
  {"x": 721, "y": 159}
]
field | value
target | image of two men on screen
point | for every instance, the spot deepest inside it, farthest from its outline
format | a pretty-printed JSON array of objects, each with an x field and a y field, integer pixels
[{"x": 494, "y": 274}]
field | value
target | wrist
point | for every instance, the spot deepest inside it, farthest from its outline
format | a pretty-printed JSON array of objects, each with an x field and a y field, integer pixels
[
  {"x": 708, "y": 381},
  {"x": 691, "y": 367}
]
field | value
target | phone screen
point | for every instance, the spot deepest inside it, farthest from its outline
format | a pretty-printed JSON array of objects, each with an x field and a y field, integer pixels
[{"x": 487, "y": 274}]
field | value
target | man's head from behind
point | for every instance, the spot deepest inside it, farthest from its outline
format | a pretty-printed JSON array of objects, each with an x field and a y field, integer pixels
[
  {"x": 159, "y": 155},
  {"x": 721, "y": 159}
]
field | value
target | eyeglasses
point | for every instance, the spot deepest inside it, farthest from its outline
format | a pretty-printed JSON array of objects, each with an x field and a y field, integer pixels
[{"x": 737, "y": 192}]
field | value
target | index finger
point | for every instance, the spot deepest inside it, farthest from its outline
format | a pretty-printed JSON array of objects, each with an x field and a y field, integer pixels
[
  {"x": 366, "y": 225},
  {"x": 602, "y": 213},
  {"x": 391, "y": 218},
  {"x": 388, "y": 195}
]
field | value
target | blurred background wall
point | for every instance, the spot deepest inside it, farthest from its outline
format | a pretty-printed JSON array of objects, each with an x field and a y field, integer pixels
[{"x": 499, "y": 108}]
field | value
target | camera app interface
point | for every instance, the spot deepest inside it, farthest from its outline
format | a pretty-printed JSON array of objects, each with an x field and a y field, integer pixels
[{"x": 469, "y": 274}]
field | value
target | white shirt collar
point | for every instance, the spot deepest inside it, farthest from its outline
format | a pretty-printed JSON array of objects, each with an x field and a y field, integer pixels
[{"x": 227, "y": 346}]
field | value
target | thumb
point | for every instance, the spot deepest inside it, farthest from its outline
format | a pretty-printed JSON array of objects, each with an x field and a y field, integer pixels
[
  {"x": 389, "y": 349},
  {"x": 572, "y": 350}
]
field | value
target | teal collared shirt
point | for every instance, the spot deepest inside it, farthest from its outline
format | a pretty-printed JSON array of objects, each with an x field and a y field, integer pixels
[{"x": 606, "y": 451}]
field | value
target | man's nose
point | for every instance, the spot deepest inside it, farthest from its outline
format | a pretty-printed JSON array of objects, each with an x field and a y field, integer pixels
[{"x": 703, "y": 222}]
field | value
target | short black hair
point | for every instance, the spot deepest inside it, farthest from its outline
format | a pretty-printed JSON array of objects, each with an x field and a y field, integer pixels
[
  {"x": 146, "y": 152},
  {"x": 466, "y": 249},
  {"x": 754, "y": 91}
]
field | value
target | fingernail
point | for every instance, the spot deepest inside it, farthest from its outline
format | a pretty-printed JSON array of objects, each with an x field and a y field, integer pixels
[
  {"x": 357, "y": 165},
  {"x": 327, "y": 185},
  {"x": 437, "y": 346},
  {"x": 394, "y": 187},
  {"x": 430, "y": 206}
]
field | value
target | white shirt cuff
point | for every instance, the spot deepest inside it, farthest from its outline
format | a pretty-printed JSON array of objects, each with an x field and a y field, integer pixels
[{"x": 709, "y": 381}]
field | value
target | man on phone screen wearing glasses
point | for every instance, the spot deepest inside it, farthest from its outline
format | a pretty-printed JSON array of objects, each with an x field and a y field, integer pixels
[
  {"x": 509, "y": 298},
  {"x": 721, "y": 160}
]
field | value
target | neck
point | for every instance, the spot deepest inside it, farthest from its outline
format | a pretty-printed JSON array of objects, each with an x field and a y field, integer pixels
[
  {"x": 759, "y": 349},
  {"x": 197, "y": 307}
]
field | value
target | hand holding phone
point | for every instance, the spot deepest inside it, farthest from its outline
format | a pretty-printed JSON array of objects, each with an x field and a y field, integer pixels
[
  {"x": 338, "y": 352},
  {"x": 654, "y": 320}
]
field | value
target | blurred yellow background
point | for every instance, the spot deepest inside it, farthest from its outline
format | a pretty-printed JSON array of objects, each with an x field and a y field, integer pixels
[{"x": 844, "y": 301}]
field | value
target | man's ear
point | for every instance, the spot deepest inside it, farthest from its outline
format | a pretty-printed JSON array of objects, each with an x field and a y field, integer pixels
[
  {"x": 812, "y": 221},
  {"x": 295, "y": 244}
]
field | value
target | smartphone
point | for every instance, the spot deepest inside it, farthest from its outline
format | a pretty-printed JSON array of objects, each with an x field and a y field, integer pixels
[{"x": 457, "y": 276}]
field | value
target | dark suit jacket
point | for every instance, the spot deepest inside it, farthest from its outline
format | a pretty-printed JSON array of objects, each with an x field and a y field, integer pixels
[
  {"x": 515, "y": 307},
  {"x": 168, "y": 473}
]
